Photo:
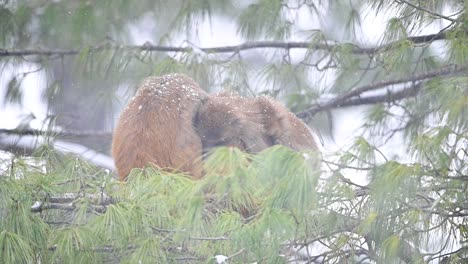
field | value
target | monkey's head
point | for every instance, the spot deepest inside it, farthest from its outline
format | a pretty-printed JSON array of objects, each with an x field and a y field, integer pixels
[{"x": 224, "y": 121}]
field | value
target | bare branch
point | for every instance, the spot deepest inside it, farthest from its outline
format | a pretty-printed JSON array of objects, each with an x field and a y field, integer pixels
[
  {"x": 209, "y": 238},
  {"x": 352, "y": 97},
  {"x": 27, "y": 144},
  {"x": 102, "y": 199},
  {"x": 65, "y": 207},
  {"x": 212, "y": 50},
  {"x": 388, "y": 97},
  {"x": 66, "y": 202},
  {"x": 37, "y": 132}
]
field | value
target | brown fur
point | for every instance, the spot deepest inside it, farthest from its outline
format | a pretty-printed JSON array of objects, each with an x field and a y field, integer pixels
[
  {"x": 156, "y": 127},
  {"x": 250, "y": 124}
]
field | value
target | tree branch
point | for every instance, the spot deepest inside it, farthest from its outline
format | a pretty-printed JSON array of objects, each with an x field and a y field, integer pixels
[
  {"x": 212, "y": 50},
  {"x": 388, "y": 97},
  {"x": 66, "y": 202},
  {"x": 418, "y": 7},
  {"x": 28, "y": 143},
  {"x": 353, "y": 96},
  {"x": 48, "y": 133},
  {"x": 65, "y": 207},
  {"x": 101, "y": 199}
]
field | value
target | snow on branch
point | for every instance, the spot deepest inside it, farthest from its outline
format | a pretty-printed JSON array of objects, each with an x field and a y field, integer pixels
[
  {"x": 28, "y": 143},
  {"x": 61, "y": 133}
]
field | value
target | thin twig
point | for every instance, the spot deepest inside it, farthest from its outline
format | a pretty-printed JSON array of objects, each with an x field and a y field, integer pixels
[{"x": 418, "y": 7}]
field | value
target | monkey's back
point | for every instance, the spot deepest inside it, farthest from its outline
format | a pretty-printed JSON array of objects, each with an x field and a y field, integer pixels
[
  {"x": 288, "y": 129},
  {"x": 156, "y": 127},
  {"x": 251, "y": 124}
]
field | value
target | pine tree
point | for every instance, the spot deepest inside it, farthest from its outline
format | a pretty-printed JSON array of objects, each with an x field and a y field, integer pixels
[{"x": 409, "y": 88}]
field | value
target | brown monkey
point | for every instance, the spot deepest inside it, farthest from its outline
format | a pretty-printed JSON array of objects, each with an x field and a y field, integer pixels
[
  {"x": 251, "y": 124},
  {"x": 156, "y": 127}
]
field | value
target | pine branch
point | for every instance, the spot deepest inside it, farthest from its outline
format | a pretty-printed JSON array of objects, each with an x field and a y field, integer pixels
[
  {"x": 420, "y": 8},
  {"x": 66, "y": 202},
  {"x": 28, "y": 144},
  {"x": 101, "y": 199},
  {"x": 213, "y": 50},
  {"x": 353, "y": 97},
  {"x": 68, "y": 133},
  {"x": 66, "y": 207},
  {"x": 388, "y": 97},
  {"x": 350, "y": 224}
]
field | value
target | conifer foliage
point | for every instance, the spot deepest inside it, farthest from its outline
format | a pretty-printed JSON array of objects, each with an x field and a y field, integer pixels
[{"x": 393, "y": 190}]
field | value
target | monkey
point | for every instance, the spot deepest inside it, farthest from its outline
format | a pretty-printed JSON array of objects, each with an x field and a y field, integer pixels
[
  {"x": 156, "y": 127},
  {"x": 171, "y": 122},
  {"x": 250, "y": 124}
]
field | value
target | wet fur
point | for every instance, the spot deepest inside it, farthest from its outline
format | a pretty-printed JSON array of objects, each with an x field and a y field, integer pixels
[
  {"x": 251, "y": 124},
  {"x": 171, "y": 121},
  {"x": 156, "y": 127}
]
